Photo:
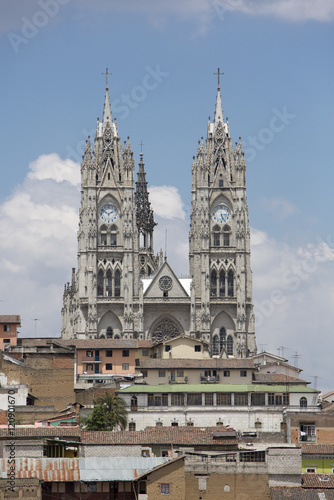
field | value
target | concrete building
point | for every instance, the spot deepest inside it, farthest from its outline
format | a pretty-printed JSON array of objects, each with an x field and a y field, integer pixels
[
  {"x": 244, "y": 407},
  {"x": 8, "y": 330}
]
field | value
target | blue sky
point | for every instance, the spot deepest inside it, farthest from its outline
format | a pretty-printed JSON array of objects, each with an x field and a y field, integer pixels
[{"x": 277, "y": 89}]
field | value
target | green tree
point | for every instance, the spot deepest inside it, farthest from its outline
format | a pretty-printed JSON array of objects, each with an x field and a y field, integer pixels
[{"x": 109, "y": 412}]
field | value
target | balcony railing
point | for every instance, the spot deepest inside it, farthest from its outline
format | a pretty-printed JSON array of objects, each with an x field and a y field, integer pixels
[{"x": 209, "y": 379}]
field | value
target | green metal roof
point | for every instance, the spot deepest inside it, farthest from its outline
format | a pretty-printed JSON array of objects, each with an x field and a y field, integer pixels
[{"x": 140, "y": 389}]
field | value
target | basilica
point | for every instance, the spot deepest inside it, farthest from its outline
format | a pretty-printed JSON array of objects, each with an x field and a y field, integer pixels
[{"x": 121, "y": 289}]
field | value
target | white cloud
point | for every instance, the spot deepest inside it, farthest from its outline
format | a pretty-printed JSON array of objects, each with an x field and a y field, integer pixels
[
  {"x": 166, "y": 202},
  {"x": 206, "y": 10},
  {"x": 293, "y": 296},
  {"x": 52, "y": 167}
]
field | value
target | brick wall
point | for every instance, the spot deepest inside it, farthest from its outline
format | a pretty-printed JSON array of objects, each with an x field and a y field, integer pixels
[
  {"x": 46, "y": 379},
  {"x": 172, "y": 474},
  {"x": 217, "y": 486}
]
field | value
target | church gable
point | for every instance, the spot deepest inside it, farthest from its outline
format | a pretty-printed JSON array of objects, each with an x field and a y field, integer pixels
[{"x": 165, "y": 284}]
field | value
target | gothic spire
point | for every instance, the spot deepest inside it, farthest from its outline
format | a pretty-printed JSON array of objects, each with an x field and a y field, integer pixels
[{"x": 144, "y": 213}]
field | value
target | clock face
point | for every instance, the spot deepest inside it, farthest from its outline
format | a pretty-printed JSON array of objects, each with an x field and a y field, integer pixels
[
  {"x": 108, "y": 213},
  {"x": 221, "y": 214}
]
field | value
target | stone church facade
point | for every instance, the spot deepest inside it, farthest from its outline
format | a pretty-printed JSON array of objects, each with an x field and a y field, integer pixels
[{"x": 121, "y": 289}]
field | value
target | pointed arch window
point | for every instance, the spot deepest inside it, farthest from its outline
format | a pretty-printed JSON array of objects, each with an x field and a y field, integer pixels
[
  {"x": 109, "y": 283},
  {"x": 117, "y": 283},
  {"x": 213, "y": 283},
  {"x": 229, "y": 345},
  {"x": 100, "y": 281},
  {"x": 104, "y": 235},
  {"x": 230, "y": 283},
  {"x": 109, "y": 332},
  {"x": 226, "y": 236},
  {"x": 215, "y": 345},
  {"x": 216, "y": 236},
  {"x": 222, "y": 277},
  {"x": 222, "y": 338},
  {"x": 113, "y": 235}
]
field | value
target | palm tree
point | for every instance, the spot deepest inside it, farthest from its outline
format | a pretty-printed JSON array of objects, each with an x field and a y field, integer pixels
[
  {"x": 115, "y": 410},
  {"x": 109, "y": 412}
]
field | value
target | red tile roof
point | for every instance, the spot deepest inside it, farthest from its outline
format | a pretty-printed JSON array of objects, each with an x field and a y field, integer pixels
[
  {"x": 10, "y": 318},
  {"x": 319, "y": 481},
  {"x": 278, "y": 378},
  {"x": 317, "y": 449},
  {"x": 152, "y": 435}
]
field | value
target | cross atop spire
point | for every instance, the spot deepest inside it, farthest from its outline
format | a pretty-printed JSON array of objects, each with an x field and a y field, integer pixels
[
  {"x": 107, "y": 74},
  {"x": 141, "y": 146},
  {"x": 219, "y": 73}
]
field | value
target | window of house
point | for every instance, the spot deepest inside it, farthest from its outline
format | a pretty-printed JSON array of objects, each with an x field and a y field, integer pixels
[
  {"x": 180, "y": 373},
  {"x": 219, "y": 423},
  {"x": 177, "y": 399},
  {"x": 109, "y": 353},
  {"x": 168, "y": 348},
  {"x": 307, "y": 432},
  {"x": 157, "y": 400},
  {"x": 313, "y": 470},
  {"x": 6, "y": 341},
  {"x": 258, "y": 399},
  {"x": 224, "y": 398},
  {"x": 252, "y": 456},
  {"x": 197, "y": 348},
  {"x": 243, "y": 373},
  {"x": 145, "y": 452},
  {"x": 162, "y": 373},
  {"x": 109, "y": 366},
  {"x": 91, "y": 487},
  {"x": 209, "y": 399},
  {"x": 226, "y": 373},
  {"x": 190, "y": 423},
  {"x": 109, "y": 332},
  {"x": 258, "y": 425},
  {"x": 164, "y": 489},
  {"x": 174, "y": 424},
  {"x": 132, "y": 426},
  {"x": 303, "y": 403},
  {"x": 194, "y": 399},
  {"x": 145, "y": 352},
  {"x": 241, "y": 399},
  {"x": 89, "y": 367},
  {"x": 125, "y": 366},
  {"x": 126, "y": 353},
  {"x": 6, "y": 328},
  {"x": 144, "y": 373},
  {"x": 89, "y": 354},
  {"x": 158, "y": 424}
]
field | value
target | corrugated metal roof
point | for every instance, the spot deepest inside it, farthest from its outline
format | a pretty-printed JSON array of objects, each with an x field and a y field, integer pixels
[{"x": 82, "y": 469}]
